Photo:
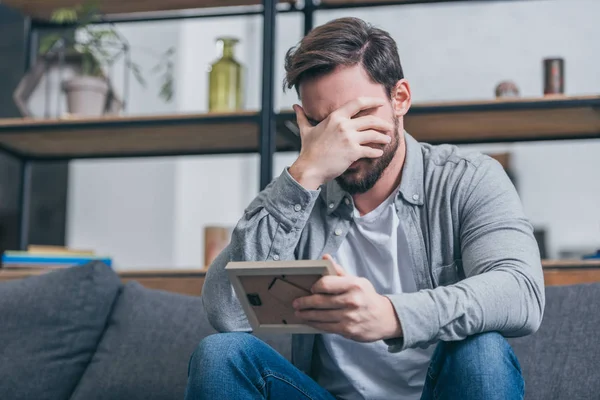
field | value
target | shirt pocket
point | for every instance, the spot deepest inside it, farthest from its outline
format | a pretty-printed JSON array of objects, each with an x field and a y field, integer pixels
[{"x": 444, "y": 275}]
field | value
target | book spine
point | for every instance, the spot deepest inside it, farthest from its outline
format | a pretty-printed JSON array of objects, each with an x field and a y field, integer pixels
[{"x": 52, "y": 260}]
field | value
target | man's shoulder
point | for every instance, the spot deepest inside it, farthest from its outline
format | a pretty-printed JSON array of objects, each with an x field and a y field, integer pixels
[
  {"x": 448, "y": 156},
  {"x": 448, "y": 166}
]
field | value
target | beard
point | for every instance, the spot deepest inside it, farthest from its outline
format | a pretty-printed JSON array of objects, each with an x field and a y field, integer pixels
[{"x": 362, "y": 178}]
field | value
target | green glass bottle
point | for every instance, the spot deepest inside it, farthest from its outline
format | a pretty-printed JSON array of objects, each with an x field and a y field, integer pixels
[{"x": 225, "y": 80}]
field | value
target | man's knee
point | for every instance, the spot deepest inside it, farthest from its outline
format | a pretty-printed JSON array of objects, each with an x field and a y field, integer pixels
[
  {"x": 482, "y": 366},
  {"x": 221, "y": 349},
  {"x": 483, "y": 354}
]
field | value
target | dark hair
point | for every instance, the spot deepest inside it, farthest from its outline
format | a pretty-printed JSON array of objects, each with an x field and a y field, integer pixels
[{"x": 344, "y": 42}]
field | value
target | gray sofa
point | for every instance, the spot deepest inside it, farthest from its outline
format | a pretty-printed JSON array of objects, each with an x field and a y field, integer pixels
[{"x": 80, "y": 334}]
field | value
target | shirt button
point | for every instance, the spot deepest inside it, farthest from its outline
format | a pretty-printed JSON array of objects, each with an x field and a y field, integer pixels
[
  {"x": 415, "y": 197},
  {"x": 347, "y": 201},
  {"x": 338, "y": 232},
  {"x": 275, "y": 257},
  {"x": 297, "y": 207},
  {"x": 331, "y": 205}
]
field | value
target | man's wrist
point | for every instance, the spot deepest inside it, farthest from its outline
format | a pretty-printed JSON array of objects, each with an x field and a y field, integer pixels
[
  {"x": 305, "y": 176},
  {"x": 394, "y": 328}
]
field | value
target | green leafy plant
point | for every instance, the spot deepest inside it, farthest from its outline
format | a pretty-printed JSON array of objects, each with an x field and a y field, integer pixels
[{"x": 100, "y": 46}]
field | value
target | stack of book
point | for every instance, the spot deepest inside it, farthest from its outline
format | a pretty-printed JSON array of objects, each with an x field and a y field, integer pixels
[
  {"x": 50, "y": 257},
  {"x": 592, "y": 256}
]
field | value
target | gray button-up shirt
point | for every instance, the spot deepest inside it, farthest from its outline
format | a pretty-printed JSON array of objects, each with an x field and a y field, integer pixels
[{"x": 474, "y": 258}]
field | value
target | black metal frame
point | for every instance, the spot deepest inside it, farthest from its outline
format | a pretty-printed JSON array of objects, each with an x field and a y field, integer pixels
[
  {"x": 383, "y": 3},
  {"x": 267, "y": 119},
  {"x": 31, "y": 46},
  {"x": 25, "y": 203},
  {"x": 267, "y": 112},
  {"x": 309, "y": 15}
]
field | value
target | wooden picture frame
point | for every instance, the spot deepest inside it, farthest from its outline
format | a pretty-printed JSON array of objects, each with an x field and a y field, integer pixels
[{"x": 266, "y": 291}]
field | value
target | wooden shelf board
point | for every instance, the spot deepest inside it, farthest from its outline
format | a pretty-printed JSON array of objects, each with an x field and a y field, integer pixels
[
  {"x": 42, "y": 9},
  {"x": 501, "y": 121},
  {"x": 509, "y": 102},
  {"x": 570, "y": 264},
  {"x": 367, "y": 2},
  {"x": 134, "y": 136},
  {"x": 161, "y": 272},
  {"x": 197, "y": 272},
  {"x": 571, "y": 276},
  {"x": 333, "y": 4},
  {"x": 187, "y": 282},
  {"x": 548, "y": 118},
  {"x": 127, "y": 273},
  {"x": 190, "y": 281},
  {"x": 187, "y": 134}
]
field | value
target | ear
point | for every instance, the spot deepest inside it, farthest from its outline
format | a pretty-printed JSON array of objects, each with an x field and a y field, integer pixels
[{"x": 401, "y": 98}]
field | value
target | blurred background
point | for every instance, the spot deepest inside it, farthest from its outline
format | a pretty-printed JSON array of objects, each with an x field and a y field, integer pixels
[{"x": 151, "y": 213}]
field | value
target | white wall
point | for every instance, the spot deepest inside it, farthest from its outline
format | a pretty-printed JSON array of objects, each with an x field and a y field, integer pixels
[
  {"x": 460, "y": 51},
  {"x": 124, "y": 208},
  {"x": 449, "y": 51},
  {"x": 215, "y": 190}
]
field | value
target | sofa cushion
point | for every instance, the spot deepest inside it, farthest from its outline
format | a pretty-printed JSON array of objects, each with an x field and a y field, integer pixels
[
  {"x": 50, "y": 327},
  {"x": 561, "y": 360},
  {"x": 146, "y": 347}
]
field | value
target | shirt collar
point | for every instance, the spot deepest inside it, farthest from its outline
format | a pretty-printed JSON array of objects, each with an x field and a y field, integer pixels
[
  {"x": 333, "y": 196},
  {"x": 411, "y": 185}
]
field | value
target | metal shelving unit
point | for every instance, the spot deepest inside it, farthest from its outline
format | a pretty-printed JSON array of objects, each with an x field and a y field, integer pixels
[{"x": 262, "y": 131}]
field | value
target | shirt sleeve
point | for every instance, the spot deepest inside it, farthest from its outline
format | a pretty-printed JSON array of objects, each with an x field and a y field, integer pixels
[
  {"x": 269, "y": 229},
  {"x": 504, "y": 287}
]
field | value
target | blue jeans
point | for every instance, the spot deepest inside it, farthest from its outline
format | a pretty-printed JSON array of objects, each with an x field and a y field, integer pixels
[{"x": 240, "y": 366}]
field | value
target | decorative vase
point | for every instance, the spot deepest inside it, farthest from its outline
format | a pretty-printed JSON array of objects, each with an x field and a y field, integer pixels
[
  {"x": 86, "y": 95},
  {"x": 225, "y": 79}
]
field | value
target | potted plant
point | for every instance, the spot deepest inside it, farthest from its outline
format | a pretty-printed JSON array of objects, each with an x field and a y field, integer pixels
[{"x": 98, "y": 47}]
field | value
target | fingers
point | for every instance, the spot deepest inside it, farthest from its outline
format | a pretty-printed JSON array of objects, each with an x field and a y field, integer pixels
[
  {"x": 334, "y": 284},
  {"x": 372, "y": 136},
  {"x": 320, "y": 302},
  {"x": 369, "y": 152},
  {"x": 371, "y": 122},
  {"x": 329, "y": 327},
  {"x": 301, "y": 118},
  {"x": 353, "y": 107},
  {"x": 338, "y": 268},
  {"x": 330, "y": 316}
]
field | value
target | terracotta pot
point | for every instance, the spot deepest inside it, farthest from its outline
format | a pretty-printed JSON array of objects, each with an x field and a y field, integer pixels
[
  {"x": 86, "y": 95},
  {"x": 216, "y": 238}
]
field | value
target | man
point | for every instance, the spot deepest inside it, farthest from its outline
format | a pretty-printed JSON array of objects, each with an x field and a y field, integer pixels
[{"x": 436, "y": 261}]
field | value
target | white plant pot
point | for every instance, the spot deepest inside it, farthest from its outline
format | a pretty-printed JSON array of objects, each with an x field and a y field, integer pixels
[{"x": 86, "y": 95}]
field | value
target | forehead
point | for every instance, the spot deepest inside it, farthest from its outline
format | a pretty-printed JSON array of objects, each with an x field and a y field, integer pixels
[{"x": 322, "y": 95}]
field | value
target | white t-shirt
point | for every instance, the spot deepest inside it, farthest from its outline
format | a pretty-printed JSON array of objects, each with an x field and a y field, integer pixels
[{"x": 375, "y": 248}]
